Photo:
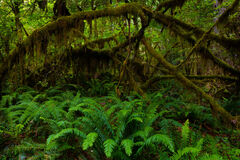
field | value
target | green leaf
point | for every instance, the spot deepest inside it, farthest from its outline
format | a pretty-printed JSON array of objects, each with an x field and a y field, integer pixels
[
  {"x": 127, "y": 145},
  {"x": 90, "y": 139},
  {"x": 160, "y": 138},
  {"x": 64, "y": 133},
  {"x": 185, "y": 131},
  {"x": 185, "y": 151},
  {"x": 109, "y": 145}
]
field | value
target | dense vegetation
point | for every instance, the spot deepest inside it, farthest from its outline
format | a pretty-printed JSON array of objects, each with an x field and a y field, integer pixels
[{"x": 114, "y": 79}]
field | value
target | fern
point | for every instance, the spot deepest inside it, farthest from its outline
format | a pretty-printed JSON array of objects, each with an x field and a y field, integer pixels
[
  {"x": 127, "y": 145},
  {"x": 185, "y": 132},
  {"x": 167, "y": 124},
  {"x": 109, "y": 146},
  {"x": 90, "y": 139},
  {"x": 65, "y": 132},
  {"x": 144, "y": 134},
  {"x": 210, "y": 157},
  {"x": 193, "y": 150},
  {"x": 159, "y": 138},
  {"x": 184, "y": 151}
]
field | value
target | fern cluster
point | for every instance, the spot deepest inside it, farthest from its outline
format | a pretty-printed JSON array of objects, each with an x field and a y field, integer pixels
[{"x": 62, "y": 123}]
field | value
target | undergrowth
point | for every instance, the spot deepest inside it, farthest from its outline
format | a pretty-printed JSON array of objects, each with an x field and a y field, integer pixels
[{"x": 71, "y": 122}]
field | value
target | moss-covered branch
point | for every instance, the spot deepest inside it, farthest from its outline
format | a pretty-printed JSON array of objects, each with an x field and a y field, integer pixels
[
  {"x": 203, "y": 38},
  {"x": 216, "y": 108},
  {"x": 226, "y": 13},
  {"x": 203, "y": 50},
  {"x": 198, "y": 32},
  {"x": 197, "y": 77},
  {"x": 39, "y": 39}
]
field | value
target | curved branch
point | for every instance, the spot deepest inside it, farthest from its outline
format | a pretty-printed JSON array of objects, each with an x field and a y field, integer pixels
[
  {"x": 197, "y": 44},
  {"x": 63, "y": 25},
  {"x": 199, "y": 77},
  {"x": 235, "y": 43},
  {"x": 216, "y": 108},
  {"x": 198, "y": 32}
]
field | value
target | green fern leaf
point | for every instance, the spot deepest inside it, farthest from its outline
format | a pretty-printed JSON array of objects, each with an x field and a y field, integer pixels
[
  {"x": 109, "y": 145},
  {"x": 64, "y": 132},
  {"x": 140, "y": 134},
  {"x": 127, "y": 145},
  {"x": 185, "y": 151},
  {"x": 90, "y": 139},
  {"x": 185, "y": 131},
  {"x": 211, "y": 157},
  {"x": 160, "y": 138},
  {"x": 199, "y": 144}
]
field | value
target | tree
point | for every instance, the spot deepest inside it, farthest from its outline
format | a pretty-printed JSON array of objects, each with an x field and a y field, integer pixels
[{"x": 130, "y": 49}]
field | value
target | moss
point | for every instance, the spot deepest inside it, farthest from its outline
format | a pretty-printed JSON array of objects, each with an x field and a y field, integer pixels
[
  {"x": 198, "y": 32},
  {"x": 38, "y": 41},
  {"x": 216, "y": 108},
  {"x": 206, "y": 53},
  {"x": 225, "y": 15},
  {"x": 194, "y": 77}
]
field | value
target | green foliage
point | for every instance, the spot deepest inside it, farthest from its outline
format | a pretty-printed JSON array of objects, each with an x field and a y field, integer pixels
[
  {"x": 109, "y": 145},
  {"x": 164, "y": 139},
  {"x": 135, "y": 128},
  {"x": 90, "y": 121},
  {"x": 64, "y": 133},
  {"x": 90, "y": 139},
  {"x": 127, "y": 145},
  {"x": 185, "y": 132}
]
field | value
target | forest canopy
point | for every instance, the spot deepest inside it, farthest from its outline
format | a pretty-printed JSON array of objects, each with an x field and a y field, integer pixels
[{"x": 140, "y": 46}]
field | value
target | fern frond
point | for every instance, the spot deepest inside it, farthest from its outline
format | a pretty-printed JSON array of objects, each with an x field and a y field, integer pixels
[
  {"x": 93, "y": 111},
  {"x": 127, "y": 145},
  {"x": 30, "y": 113},
  {"x": 109, "y": 145},
  {"x": 90, "y": 139},
  {"x": 135, "y": 116},
  {"x": 160, "y": 138},
  {"x": 166, "y": 123},
  {"x": 211, "y": 157},
  {"x": 40, "y": 98},
  {"x": 185, "y": 151},
  {"x": 64, "y": 124},
  {"x": 141, "y": 134},
  {"x": 64, "y": 132},
  {"x": 200, "y": 144},
  {"x": 185, "y": 132}
]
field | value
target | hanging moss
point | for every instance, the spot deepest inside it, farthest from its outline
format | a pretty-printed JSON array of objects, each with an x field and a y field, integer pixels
[{"x": 39, "y": 39}]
